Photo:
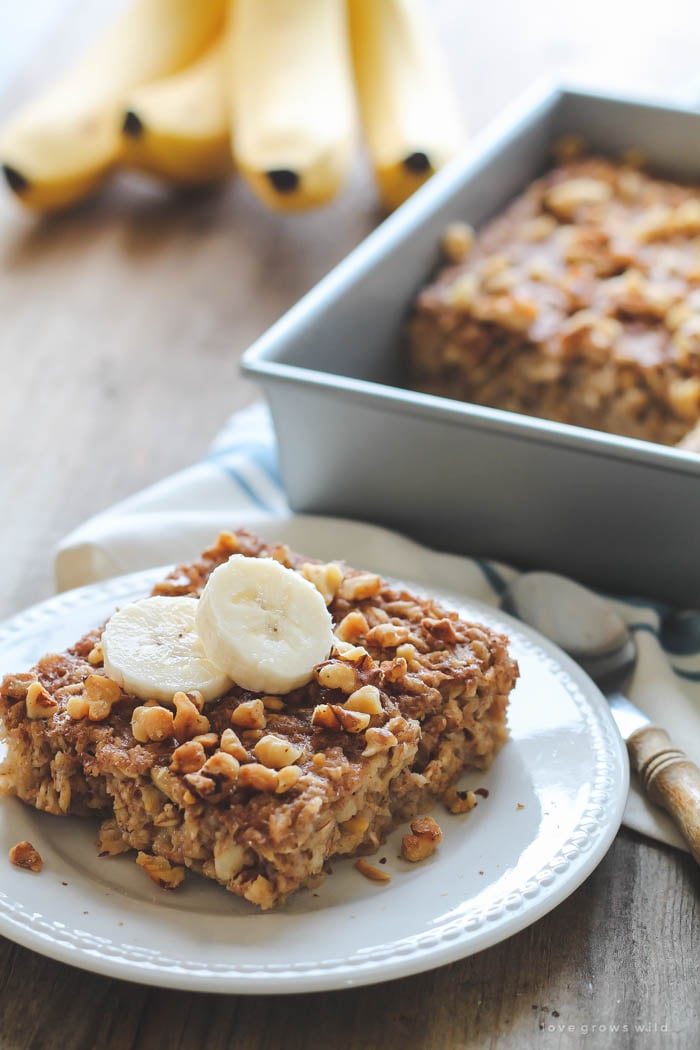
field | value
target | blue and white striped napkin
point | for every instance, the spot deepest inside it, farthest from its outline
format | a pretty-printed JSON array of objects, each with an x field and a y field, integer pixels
[{"x": 238, "y": 483}]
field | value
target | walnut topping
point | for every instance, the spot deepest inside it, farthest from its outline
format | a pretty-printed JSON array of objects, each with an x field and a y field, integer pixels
[
  {"x": 77, "y": 707},
  {"x": 388, "y": 635},
  {"x": 325, "y": 578},
  {"x": 188, "y": 758},
  {"x": 199, "y": 787},
  {"x": 368, "y": 699},
  {"x": 565, "y": 198},
  {"x": 166, "y": 875},
  {"x": 101, "y": 693},
  {"x": 287, "y": 778},
  {"x": 40, "y": 703},
  {"x": 442, "y": 629},
  {"x": 333, "y": 716},
  {"x": 249, "y": 715},
  {"x": 424, "y": 840},
  {"x": 152, "y": 723},
  {"x": 15, "y": 686},
  {"x": 358, "y": 588},
  {"x": 258, "y": 777},
  {"x": 395, "y": 670},
  {"x": 231, "y": 745},
  {"x": 457, "y": 241},
  {"x": 273, "y": 703},
  {"x": 96, "y": 656},
  {"x": 539, "y": 228},
  {"x": 23, "y": 855},
  {"x": 229, "y": 859},
  {"x": 336, "y": 674},
  {"x": 276, "y": 752},
  {"x": 324, "y": 716},
  {"x": 228, "y": 542},
  {"x": 378, "y": 740},
  {"x": 370, "y": 872},
  {"x": 352, "y": 627},
  {"x": 222, "y": 768},
  {"x": 459, "y": 801},
  {"x": 353, "y": 654},
  {"x": 110, "y": 841},
  {"x": 207, "y": 740},
  {"x": 351, "y": 721},
  {"x": 189, "y": 722}
]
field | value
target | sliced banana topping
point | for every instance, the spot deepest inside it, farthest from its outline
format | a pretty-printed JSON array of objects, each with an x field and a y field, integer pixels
[
  {"x": 264, "y": 624},
  {"x": 152, "y": 650}
]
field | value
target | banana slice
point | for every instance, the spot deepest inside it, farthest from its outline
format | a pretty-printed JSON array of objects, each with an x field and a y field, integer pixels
[
  {"x": 152, "y": 650},
  {"x": 265, "y": 625}
]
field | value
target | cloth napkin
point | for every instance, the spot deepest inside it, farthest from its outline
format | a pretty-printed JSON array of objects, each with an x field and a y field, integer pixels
[{"x": 238, "y": 484}]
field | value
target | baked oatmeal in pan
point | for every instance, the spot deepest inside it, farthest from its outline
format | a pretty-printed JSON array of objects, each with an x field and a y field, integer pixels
[
  {"x": 258, "y": 790},
  {"x": 580, "y": 303}
]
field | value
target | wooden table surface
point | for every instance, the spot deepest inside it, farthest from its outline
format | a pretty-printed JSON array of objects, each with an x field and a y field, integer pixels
[{"x": 121, "y": 329}]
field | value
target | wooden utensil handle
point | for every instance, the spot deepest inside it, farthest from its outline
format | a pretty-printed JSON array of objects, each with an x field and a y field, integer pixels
[{"x": 669, "y": 779}]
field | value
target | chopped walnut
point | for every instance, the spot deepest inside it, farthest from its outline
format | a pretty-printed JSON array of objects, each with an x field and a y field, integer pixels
[
  {"x": 353, "y": 654},
  {"x": 258, "y": 777},
  {"x": 222, "y": 768},
  {"x": 152, "y": 724},
  {"x": 388, "y": 635},
  {"x": 229, "y": 859},
  {"x": 40, "y": 703},
  {"x": 352, "y": 626},
  {"x": 188, "y": 721},
  {"x": 276, "y": 752},
  {"x": 351, "y": 721},
  {"x": 23, "y": 855},
  {"x": 457, "y": 801},
  {"x": 77, "y": 707},
  {"x": 166, "y": 875},
  {"x": 231, "y": 744},
  {"x": 287, "y": 778},
  {"x": 358, "y": 588},
  {"x": 273, "y": 703},
  {"x": 457, "y": 241},
  {"x": 325, "y": 578},
  {"x": 443, "y": 630},
  {"x": 207, "y": 740},
  {"x": 333, "y": 716},
  {"x": 200, "y": 786},
  {"x": 565, "y": 198},
  {"x": 96, "y": 655},
  {"x": 188, "y": 758},
  {"x": 422, "y": 843},
  {"x": 249, "y": 715},
  {"x": 378, "y": 740},
  {"x": 260, "y": 892},
  {"x": 370, "y": 872},
  {"x": 101, "y": 693},
  {"x": 324, "y": 715},
  {"x": 336, "y": 674},
  {"x": 367, "y": 699}
]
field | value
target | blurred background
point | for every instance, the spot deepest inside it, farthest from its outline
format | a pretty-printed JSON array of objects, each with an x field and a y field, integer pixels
[{"x": 123, "y": 320}]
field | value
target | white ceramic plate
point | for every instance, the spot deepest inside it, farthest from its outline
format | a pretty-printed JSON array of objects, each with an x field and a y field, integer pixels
[{"x": 555, "y": 798}]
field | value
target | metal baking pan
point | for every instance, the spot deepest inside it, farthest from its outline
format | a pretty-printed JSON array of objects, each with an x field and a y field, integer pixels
[{"x": 618, "y": 513}]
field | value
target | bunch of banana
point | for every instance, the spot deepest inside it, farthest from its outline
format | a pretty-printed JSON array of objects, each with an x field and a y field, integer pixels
[{"x": 191, "y": 90}]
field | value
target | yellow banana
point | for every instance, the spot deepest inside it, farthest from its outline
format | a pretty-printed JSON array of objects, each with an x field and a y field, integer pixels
[
  {"x": 410, "y": 117},
  {"x": 178, "y": 127},
  {"x": 62, "y": 145},
  {"x": 292, "y": 104}
]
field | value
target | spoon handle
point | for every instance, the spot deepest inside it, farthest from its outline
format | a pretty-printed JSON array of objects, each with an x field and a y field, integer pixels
[{"x": 669, "y": 779}]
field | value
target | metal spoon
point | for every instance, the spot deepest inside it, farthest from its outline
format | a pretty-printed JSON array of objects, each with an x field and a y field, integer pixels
[{"x": 595, "y": 635}]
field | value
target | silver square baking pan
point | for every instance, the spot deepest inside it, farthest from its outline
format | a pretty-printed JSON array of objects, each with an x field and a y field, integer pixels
[{"x": 620, "y": 514}]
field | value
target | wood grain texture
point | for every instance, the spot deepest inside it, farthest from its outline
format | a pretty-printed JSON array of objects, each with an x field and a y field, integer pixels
[{"x": 122, "y": 326}]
